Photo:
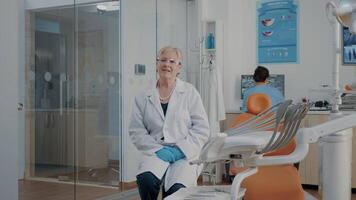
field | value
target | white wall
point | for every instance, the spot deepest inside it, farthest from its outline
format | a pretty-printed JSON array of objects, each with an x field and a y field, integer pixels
[
  {"x": 193, "y": 44},
  {"x": 21, "y": 90},
  {"x": 139, "y": 46},
  {"x": 11, "y": 57},
  {"x": 172, "y": 27},
  {"x": 315, "y": 40}
]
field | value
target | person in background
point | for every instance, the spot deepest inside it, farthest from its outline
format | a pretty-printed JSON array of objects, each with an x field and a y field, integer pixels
[
  {"x": 169, "y": 126},
  {"x": 260, "y": 76},
  {"x": 350, "y": 86}
]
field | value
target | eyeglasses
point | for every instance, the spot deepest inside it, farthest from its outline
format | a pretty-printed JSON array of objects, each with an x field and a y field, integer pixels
[{"x": 169, "y": 61}]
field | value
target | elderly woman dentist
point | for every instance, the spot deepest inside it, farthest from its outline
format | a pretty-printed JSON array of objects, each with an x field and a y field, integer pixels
[{"x": 169, "y": 126}]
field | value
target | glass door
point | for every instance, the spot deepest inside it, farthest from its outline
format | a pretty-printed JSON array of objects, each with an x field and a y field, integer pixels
[
  {"x": 50, "y": 73},
  {"x": 49, "y": 101},
  {"x": 98, "y": 96},
  {"x": 73, "y": 115}
]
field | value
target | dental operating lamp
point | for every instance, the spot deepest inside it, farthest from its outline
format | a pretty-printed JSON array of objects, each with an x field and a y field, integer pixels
[
  {"x": 345, "y": 13},
  {"x": 336, "y": 143}
]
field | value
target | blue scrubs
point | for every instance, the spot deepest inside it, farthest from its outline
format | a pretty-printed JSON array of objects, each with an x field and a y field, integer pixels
[{"x": 275, "y": 95}]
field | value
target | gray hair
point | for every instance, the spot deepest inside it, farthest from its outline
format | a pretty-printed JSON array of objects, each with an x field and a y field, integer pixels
[{"x": 176, "y": 50}]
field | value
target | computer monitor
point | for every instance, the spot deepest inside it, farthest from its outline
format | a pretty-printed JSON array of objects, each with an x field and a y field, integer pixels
[{"x": 274, "y": 80}]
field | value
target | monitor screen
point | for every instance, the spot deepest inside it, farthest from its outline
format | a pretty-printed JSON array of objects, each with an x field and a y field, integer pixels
[{"x": 274, "y": 80}]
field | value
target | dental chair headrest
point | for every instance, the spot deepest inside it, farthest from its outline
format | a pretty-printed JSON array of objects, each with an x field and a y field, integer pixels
[{"x": 258, "y": 102}]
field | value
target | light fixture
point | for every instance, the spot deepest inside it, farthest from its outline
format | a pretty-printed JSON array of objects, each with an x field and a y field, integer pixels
[
  {"x": 345, "y": 13},
  {"x": 108, "y": 6},
  {"x": 101, "y": 7}
]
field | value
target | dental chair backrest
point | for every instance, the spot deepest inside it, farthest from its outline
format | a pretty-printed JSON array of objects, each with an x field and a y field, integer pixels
[{"x": 255, "y": 104}]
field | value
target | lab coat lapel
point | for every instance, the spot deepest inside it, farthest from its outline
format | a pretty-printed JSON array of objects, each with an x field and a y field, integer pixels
[
  {"x": 154, "y": 100},
  {"x": 175, "y": 98}
]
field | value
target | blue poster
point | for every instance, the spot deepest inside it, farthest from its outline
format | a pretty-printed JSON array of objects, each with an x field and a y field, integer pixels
[{"x": 277, "y": 31}]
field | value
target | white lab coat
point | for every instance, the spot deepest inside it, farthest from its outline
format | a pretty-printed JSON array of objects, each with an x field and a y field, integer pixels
[
  {"x": 185, "y": 125},
  {"x": 216, "y": 111}
]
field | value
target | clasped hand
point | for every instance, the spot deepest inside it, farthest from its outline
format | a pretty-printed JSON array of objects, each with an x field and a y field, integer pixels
[{"x": 170, "y": 154}]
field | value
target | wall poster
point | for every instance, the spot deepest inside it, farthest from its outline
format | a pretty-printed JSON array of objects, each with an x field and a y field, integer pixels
[
  {"x": 348, "y": 47},
  {"x": 277, "y": 31}
]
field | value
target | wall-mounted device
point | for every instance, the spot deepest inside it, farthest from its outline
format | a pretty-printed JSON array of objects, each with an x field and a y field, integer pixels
[{"x": 140, "y": 69}]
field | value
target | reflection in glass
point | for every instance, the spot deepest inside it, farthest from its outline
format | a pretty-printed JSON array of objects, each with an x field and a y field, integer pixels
[
  {"x": 98, "y": 95},
  {"x": 74, "y": 85}
]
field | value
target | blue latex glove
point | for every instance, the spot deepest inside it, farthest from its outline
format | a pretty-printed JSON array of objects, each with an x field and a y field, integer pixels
[
  {"x": 166, "y": 155},
  {"x": 178, "y": 154}
]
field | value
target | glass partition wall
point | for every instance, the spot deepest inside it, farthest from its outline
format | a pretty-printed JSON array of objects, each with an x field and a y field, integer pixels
[
  {"x": 98, "y": 75},
  {"x": 73, "y": 121},
  {"x": 50, "y": 106},
  {"x": 75, "y": 84}
]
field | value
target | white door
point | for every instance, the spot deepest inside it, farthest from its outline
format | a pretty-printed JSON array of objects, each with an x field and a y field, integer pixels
[{"x": 10, "y": 60}]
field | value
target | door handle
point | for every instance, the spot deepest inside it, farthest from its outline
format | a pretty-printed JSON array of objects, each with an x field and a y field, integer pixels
[
  {"x": 19, "y": 106},
  {"x": 62, "y": 79},
  {"x": 52, "y": 120},
  {"x": 47, "y": 122}
]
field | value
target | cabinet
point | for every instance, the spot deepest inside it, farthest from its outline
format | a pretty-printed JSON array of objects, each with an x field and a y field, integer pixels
[
  {"x": 61, "y": 140},
  {"x": 93, "y": 142},
  {"x": 51, "y": 139},
  {"x": 309, "y": 167}
]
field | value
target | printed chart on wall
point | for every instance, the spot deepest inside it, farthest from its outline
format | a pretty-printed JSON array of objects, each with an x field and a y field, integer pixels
[
  {"x": 277, "y": 31},
  {"x": 349, "y": 47}
]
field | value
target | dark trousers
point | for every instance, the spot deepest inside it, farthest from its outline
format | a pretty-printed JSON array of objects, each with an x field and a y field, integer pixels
[{"x": 149, "y": 186}]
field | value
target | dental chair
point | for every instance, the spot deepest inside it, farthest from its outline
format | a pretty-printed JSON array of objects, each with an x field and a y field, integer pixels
[
  {"x": 255, "y": 104},
  {"x": 246, "y": 145},
  {"x": 278, "y": 182}
]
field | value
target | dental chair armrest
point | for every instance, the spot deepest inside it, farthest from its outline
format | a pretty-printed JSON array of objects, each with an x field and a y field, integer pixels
[
  {"x": 313, "y": 134},
  {"x": 297, "y": 155},
  {"x": 211, "y": 149}
]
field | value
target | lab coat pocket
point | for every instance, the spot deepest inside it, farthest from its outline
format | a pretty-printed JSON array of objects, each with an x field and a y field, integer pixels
[
  {"x": 185, "y": 116},
  {"x": 152, "y": 164},
  {"x": 184, "y": 122}
]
